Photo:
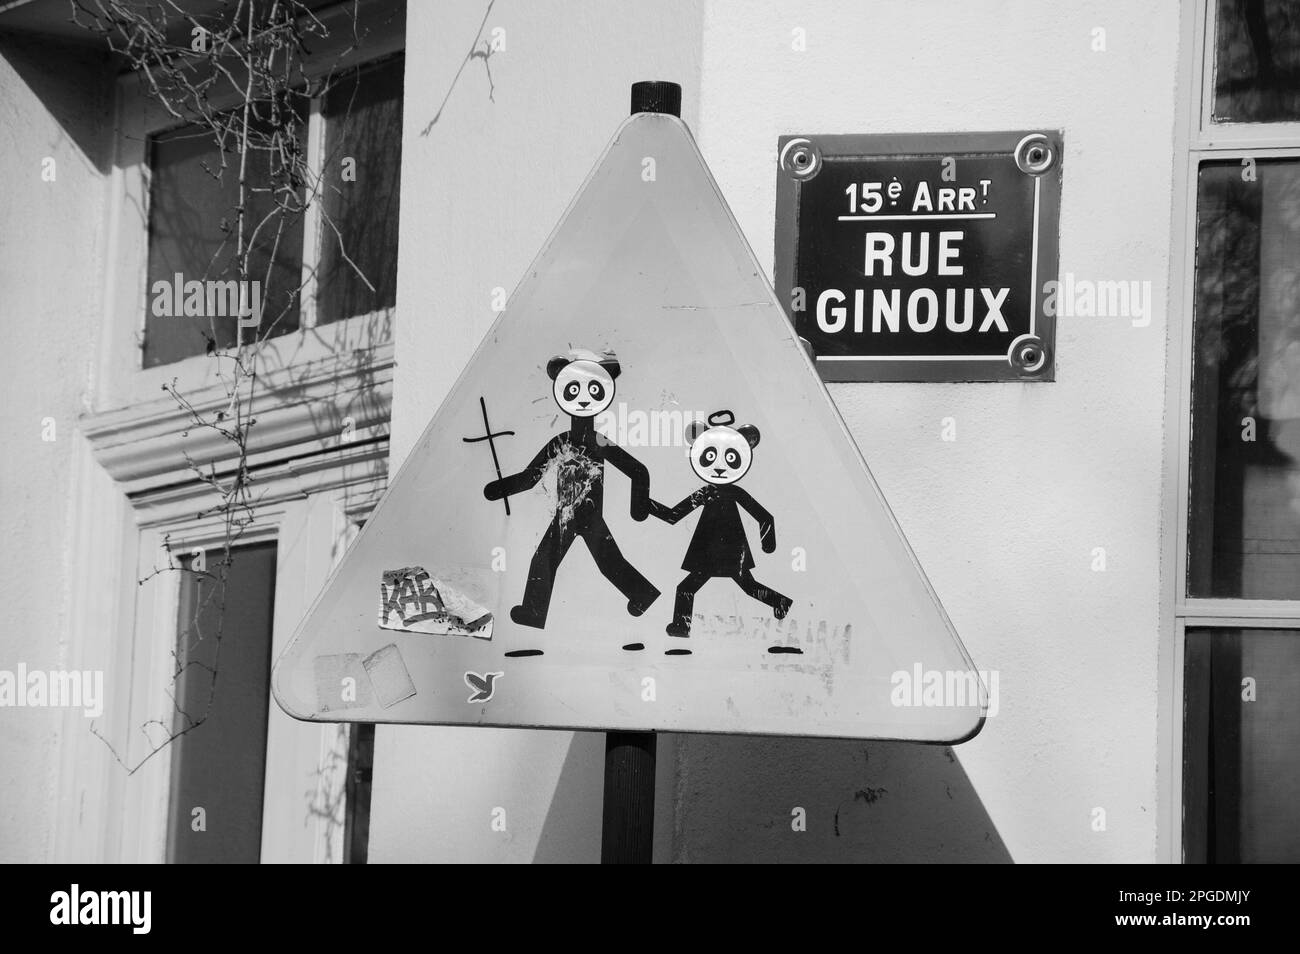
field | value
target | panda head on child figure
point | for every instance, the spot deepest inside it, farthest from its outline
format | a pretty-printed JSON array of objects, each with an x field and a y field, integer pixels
[
  {"x": 720, "y": 453},
  {"x": 583, "y": 381}
]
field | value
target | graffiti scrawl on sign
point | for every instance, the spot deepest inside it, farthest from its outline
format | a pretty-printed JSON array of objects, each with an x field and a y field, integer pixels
[{"x": 412, "y": 601}]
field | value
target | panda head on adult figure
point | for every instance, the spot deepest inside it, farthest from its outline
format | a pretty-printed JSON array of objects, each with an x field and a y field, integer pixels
[{"x": 583, "y": 382}]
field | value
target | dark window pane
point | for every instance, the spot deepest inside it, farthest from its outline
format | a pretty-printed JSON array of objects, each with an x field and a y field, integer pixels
[
  {"x": 1241, "y": 744},
  {"x": 1257, "y": 61},
  {"x": 1244, "y": 519},
  {"x": 362, "y": 166},
  {"x": 220, "y": 765},
  {"x": 192, "y": 233}
]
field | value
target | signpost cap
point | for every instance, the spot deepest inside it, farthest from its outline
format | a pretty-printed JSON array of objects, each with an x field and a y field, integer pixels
[{"x": 657, "y": 96}]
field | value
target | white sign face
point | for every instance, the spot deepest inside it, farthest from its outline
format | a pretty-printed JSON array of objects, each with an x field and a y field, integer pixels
[{"x": 637, "y": 509}]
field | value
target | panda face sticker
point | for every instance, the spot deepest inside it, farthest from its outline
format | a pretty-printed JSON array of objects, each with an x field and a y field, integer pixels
[
  {"x": 722, "y": 455},
  {"x": 583, "y": 388}
]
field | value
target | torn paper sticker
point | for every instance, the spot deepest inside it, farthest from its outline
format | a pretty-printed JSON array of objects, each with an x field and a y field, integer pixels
[
  {"x": 389, "y": 675},
  {"x": 412, "y": 601}
]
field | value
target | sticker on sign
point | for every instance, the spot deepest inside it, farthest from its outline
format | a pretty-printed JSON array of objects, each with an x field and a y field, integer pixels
[{"x": 411, "y": 601}]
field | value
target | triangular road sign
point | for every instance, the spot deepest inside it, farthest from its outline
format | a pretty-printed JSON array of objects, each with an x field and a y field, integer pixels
[{"x": 601, "y": 561}]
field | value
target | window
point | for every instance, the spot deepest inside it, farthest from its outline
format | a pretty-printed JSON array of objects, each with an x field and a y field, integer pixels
[
  {"x": 362, "y": 179},
  {"x": 1257, "y": 61},
  {"x": 1238, "y": 604},
  {"x": 191, "y": 237},
  {"x": 166, "y": 209},
  {"x": 1242, "y": 772},
  {"x": 1245, "y": 474},
  {"x": 342, "y": 253},
  {"x": 218, "y": 763}
]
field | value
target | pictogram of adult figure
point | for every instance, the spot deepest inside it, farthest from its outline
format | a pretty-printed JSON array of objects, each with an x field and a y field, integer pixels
[{"x": 583, "y": 387}]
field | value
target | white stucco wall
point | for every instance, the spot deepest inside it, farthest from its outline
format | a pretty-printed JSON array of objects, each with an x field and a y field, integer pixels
[
  {"x": 51, "y": 247},
  {"x": 1005, "y": 519}
]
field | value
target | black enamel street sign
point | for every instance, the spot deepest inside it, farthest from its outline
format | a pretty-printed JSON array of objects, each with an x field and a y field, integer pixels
[{"x": 920, "y": 257}]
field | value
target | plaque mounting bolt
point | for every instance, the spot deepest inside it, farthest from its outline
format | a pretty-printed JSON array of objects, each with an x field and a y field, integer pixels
[
  {"x": 1035, "y": 154},
  {"x": 801, "y": 159},
  {"x": 1028, "y": 354}
]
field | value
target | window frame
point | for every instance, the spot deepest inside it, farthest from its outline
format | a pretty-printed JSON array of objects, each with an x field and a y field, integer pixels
[
  {"x": 1196, "y": 140},
  {"x": 124, "y": 378},
  {"x": 310, "y": 532}
]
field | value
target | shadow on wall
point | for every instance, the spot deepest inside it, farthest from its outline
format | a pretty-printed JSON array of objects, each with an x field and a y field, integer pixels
[
  {"x": 737, "y": 796},
  {"x": 571, "y": 836},
  {"x": 901, "y": 802},
  {"x": 75, "y": 83}
]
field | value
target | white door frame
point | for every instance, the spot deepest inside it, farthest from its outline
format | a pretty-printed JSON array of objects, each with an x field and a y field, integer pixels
[{"x": 313, "y": 481}]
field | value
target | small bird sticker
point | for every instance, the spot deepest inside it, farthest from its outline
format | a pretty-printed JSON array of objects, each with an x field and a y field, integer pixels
[{"x": 483, "y": 685}]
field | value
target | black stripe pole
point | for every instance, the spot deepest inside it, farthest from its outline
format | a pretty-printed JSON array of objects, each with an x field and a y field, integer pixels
[
  {"x": 628, "y": 820},
  {"x": 656, "y": 96}
]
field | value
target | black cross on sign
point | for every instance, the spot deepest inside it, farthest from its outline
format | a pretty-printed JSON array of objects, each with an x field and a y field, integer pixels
[{"x": 487, "y": 436}]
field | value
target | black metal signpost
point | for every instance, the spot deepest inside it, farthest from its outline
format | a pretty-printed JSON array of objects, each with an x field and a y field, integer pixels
[
  {"x": 920, "y": 257},
  {"x": 627, "y": 822}
]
